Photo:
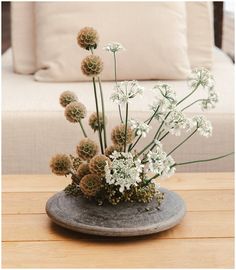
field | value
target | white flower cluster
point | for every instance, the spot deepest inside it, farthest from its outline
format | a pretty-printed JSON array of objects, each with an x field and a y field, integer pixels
[
  {"x": 164, "y": 100},
  {"x": 211, "y": 100},
  {"x": 203, "y": 77},
  {"x": 176, "y": 121},
  {"x": 124, "y": 91},
  {"x": 203, "y": 125},
  {"x": 159, "y": 163},
  {"x": 200, "y": 76},
  {"x": 114, "y": 47},
  {"x": 124, "y": 170},
  {"x": 140, "y": 128}
]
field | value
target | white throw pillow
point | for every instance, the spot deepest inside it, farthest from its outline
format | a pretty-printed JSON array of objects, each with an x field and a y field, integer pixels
[
  {"x": 200, "y": 33},
  {"x": 154, "y": 34},
  {"x": 200, "y": 43},
  {"x": 23, "y": 37}
]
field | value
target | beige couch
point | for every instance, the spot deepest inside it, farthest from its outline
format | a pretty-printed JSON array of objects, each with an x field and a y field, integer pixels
[{"x": 34, "y": 127}]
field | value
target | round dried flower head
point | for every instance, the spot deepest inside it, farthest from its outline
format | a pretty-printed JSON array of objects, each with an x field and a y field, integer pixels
[
  {"x": 97, "y": 164},
  {"x": 76, "y": 162},
  {"x": 67, "y": 97},
  {"x": 60, "y": 164},
  {"x": 83, "y": 170},
  {"x": 75, "y": 111},
  {"x": 110, "y": 149},
  {"x": 87, "y": 149},
  {"x": 90, "y": 184},
  {"x": 92, "y": 65},
  {"x": 118, "y": 135},
  {"x": 93, "y": 121},
  {"x": 88, "y": 38}
]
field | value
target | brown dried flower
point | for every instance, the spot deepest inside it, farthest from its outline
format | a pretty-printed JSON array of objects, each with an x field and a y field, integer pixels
[
  {"x": 118, "y": 135},
  {"x": 110, "y": 149},
  {"x": 94, "y": 123},
  {"x": 92, "y": 65},
  {"x": 67, "y": 97},
  {"x": 90, "y": 184},
  {"x": 75, "y": 111},
  {"x": 97, "y": 164},
  {"x": 87, "y": 149},
  {"x": 88, "y": 38},
  {"x": 83, "y": 170},
  {"x": 60, "y": 164}
]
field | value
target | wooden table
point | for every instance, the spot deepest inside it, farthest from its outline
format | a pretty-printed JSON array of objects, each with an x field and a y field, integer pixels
[{"x": 205, "y": 238}]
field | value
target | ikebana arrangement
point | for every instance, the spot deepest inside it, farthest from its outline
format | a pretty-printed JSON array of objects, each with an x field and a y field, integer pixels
[{"x": 118, "y": 172}]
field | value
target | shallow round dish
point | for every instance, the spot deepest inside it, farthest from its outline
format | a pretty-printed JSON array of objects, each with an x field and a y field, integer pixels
[{"x": 125, "y": 219}]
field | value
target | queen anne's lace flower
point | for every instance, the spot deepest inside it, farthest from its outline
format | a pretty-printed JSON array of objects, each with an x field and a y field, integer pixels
[
  {"x": 114, "y": 47},
  {"x": 159, "y": 163},
  {"x": 124, "y": 91},
  {"x": 164, "y": 100},
  {"x": 140, "y": 128},
  {"x": 211, "y": 100},
  {"x": 124, "y": 171},
  {"x": 203, "y": 125},
  {"x": 166, "y": 91},
  {"x": 200, "y": 76},
  {"x": 176, "y": 121}
]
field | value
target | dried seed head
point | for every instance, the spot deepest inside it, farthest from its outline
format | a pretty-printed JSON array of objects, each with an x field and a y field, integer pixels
[
  {"x": 118, "y": 135},
  {"x": 75, "y": 111},
  {"x": 92, "y": 65},
  {"x": 97, "y": 164},
  {"x": 60, "y": 164},
  {"x": 67, "y": 97},
  {"x": 87, "y": 149},
  {"x": 88, "y": 38},
  {"x": 90, "y": 184}
]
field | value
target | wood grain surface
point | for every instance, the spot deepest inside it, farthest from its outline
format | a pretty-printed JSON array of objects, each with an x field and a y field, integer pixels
[{"x": 200, "y": 241}]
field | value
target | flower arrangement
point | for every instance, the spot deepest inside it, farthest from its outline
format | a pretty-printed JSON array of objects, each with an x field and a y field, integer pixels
[{"x": 118, "y": 172}]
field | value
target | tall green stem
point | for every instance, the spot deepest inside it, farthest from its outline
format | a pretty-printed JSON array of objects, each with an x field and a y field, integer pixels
[
  {"x": 103, "y": 112},
  {"x": 191, "y": 104},
  {"x": 97, "y": 111},
  {"x": 182, "y": 142},
  {"x": 126, "y": 124},
  {"x": 202, "y": 160},
  {"x": 149, "y": 121},
  {"x": 182, "y": 100},
  {"x": 115, "y": 73},
  {"x": 83, "y": 130}
]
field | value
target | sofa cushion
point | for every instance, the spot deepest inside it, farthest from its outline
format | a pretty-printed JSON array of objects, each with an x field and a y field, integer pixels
[{"x": 153, "y": 33}]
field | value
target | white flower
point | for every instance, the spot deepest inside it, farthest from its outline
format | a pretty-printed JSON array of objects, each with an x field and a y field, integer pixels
[
  {"x": 164, "y": 100},
  {"x": 114, "y": 47},
  {"x": 211, "y": 100},
  {"x": 203, "y": 125},
  {"x": 124, "y": 171},
  {"x": 140, "y": 128},
  {"x": 201, "y": 76},
  {"x": 166, "y": 91},
  {"x": 124, "y": 91},
  {"x": 159, "y": 163},
  {"x": 176, "y": 121}
]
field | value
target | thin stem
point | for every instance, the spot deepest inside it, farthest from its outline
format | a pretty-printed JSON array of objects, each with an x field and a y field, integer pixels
[
  {"x": 190, "y": 162},
  {"x": 191, "y": 104},
  {"x": 164, "y": 136},
  {"x": 182, "y": 142},
  {"x": 149, "y": 121},
  {"x": 202, "y": 160},
  {"x": 83, "y": 130},
  {"x": 188, "y": 94},
  {"x": 126, "y": 124},
  {"x": 97, "y": 110},
  {"x": 115, "y": 72},
  {"x": 155, "y": 136},
  {"x": 103, "y": 113}
]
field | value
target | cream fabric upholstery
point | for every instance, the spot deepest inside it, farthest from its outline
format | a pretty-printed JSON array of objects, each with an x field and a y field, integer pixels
[
  {"x": 200, "y": 43},
  {"x": 34, "y": 127},
  {"x": 146, "y": 29}
]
